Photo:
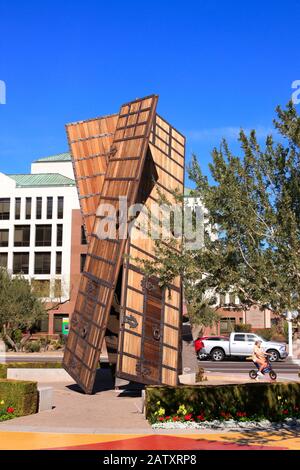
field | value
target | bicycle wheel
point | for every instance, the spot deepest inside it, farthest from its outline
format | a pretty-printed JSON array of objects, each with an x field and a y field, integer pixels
[{"x": 272, "y": 375}]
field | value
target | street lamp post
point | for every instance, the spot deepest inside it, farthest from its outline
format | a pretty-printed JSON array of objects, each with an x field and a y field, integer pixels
[
  {"x": 290, "y": 316},
  {"x": 290, "y": 332}
]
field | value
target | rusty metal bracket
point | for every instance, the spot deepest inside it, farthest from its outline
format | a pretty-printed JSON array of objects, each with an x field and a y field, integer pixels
[{"x": 131, "y": 320}]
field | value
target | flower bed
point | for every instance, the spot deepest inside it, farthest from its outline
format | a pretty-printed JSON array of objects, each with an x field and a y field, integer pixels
[
  {"x": 17, "y": 398},
  {"x": 239, "y": 403},
  {"x": 6, "y": 411},
  {"x": 229, "y": 425}
]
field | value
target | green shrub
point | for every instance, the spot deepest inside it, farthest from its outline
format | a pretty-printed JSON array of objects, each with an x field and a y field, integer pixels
[
  {"x": 271, "y": 334},
  {"x": 20, "y": 396},
  {"x": 244, "y": 327},
  {"x": 27, "y": 365},
  {"x": 33, "y": 346},
  {"x": 250, "y": 401},
  {"x": 266, "y": 333}
]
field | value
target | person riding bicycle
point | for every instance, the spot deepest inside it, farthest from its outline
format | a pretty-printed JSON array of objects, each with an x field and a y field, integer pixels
[{"x": 259, "y": 357}]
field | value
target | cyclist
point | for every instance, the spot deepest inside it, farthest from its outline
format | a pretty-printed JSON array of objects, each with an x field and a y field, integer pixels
[{"x": 259, "y": 357}]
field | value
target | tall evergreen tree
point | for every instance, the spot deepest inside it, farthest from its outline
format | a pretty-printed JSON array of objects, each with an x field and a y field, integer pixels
[{"x": 253, "y": 213}]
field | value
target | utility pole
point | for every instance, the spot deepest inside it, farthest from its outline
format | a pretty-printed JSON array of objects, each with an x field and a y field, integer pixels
[{"x": 289, "y": 318}]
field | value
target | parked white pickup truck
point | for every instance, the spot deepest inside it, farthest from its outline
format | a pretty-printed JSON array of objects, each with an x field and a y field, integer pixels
[{"x": 241, "y": 345}]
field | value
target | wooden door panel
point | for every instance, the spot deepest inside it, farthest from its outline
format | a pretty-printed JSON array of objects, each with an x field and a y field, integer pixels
[
  {"x": 103, "y": 263},
  {"x": 165, "y": 165}
]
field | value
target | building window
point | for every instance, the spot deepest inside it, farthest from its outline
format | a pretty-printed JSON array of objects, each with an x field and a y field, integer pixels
[
  {"x": 28, "y": 208},
  {"x": 49, "y": 207},
  {"x": 3, "y": 260},
  {"x": 41, "y": 287},
  {"x": 43, "y": 325},
  {"x": 21, "y": 263},
  {"x": 22, "y": 235},
  {"x": 58, "y": 323},
  {"x": 42, "y": 263},
  {"x": 60, "y": 207},
  {"x": 222, "y": 300},
  {"x": 43, "y": 235},
  {"x": 38, "y": 208},
  {"x": 227, "y": 325},
  {"x": 57, "y": 289},
  {"x": 82, "y": 261},
  {"x": 4, "y": 208},
  {"x": 59, "y": 236},
  {"x": 17, "y": 208},
  {"x": 58, "y": 262},
  {"x": 83, "y": 236},
  {"x": 4, "y": 237}
]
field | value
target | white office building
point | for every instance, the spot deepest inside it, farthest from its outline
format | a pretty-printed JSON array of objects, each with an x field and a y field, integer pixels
[{"x": 36, "y": 224}]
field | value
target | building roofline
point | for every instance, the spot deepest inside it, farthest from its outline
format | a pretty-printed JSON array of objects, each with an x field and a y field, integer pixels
[{"x": 41, "y": 180}]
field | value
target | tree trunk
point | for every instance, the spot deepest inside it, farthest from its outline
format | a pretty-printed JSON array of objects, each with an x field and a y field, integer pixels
[
  {"x": 9, "y": 339},
  {"x": 24, "y": 340}
]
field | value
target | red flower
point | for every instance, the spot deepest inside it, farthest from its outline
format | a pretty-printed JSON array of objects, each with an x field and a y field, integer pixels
[
  {"x": 241, "y": 414},
  {"x": 296, "y": 408},
  {"x": 10, "y": 410},
  {"x": 167, "y": 417},
  {"x": 285, "y": 412},
  {"x": 201, "y": 418},
  {"x": 188, "y": 417},
  {"x": 176, "y": 418},
  {"x": 161, "y": 419},
  {"x": 225, "y": 415}
]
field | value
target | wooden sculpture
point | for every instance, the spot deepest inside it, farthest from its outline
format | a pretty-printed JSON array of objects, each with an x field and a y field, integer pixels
[{"x": 135, "y": 155}]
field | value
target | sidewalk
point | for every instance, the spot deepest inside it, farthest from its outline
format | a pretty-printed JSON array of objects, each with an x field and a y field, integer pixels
[
  {"x": 113, "y": 420},
  {"x": 107, "y": 411},
  {"x": 41, "y": 356}
]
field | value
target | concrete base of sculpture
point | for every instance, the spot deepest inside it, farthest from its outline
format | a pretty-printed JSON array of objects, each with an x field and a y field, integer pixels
[
  {"x": 39, "y": 375},
  {"x": 45, "y": 398}
]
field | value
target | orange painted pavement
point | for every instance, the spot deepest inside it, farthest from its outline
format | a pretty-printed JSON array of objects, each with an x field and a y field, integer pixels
[{"x": 36, "y": 441}]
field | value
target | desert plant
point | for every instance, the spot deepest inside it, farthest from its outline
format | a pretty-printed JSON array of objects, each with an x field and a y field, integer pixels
[
  {"x": 33, "y": 346},
  {"x": 245, "y": 327}
]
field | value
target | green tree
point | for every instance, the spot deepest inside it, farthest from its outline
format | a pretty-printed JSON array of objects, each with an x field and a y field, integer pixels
[
  {"x": 252, "y": 228},
  {"x": 20, "y": 309}
]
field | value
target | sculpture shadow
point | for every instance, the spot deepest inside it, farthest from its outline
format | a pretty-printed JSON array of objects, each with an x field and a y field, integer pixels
[{"x": 103, "y": 382}]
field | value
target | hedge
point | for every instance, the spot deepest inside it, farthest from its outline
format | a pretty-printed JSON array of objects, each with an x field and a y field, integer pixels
[
  {"x": 249, "y": 401},
  {"x": 22, "y": 396},
  {"x": 27, "y": 365}
]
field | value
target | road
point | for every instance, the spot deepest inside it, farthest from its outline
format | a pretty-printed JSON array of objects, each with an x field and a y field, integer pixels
[
  {"x": 36, "y": 358},
  {"x": 229, "y": 366},
  {"x": 30, "y": 358},
  {"x": 242, "y": 367}
]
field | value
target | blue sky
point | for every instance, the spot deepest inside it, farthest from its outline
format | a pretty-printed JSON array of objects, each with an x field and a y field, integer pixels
[{"x": 216, "y": 65}]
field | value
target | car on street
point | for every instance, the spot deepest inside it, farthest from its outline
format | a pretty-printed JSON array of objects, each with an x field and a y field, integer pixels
[
  {"x": 239, "y": 345},
  {"x": 199, "y": 345}
]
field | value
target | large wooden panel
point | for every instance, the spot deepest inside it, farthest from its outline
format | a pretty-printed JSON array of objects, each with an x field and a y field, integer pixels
[
  {"x": 150, "y": 334},
  {"x": 89, "y": 143},
  {"x": 105, "y": 256}
]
